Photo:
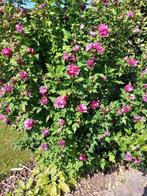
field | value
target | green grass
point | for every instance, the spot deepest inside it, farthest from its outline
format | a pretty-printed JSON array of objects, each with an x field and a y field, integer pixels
[{"x": 10, "y": 157}]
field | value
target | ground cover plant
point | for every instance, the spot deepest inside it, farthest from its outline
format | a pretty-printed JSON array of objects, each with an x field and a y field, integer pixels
[{"x": 74, "y": 77}]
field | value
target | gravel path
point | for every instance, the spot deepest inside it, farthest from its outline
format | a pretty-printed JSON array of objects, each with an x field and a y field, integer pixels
[{"x": 123, "y": 183}]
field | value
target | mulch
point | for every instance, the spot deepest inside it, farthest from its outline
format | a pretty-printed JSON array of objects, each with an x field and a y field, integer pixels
[
  {"x": 120, "y": 182},
  {"x": 9, "y": 183}
]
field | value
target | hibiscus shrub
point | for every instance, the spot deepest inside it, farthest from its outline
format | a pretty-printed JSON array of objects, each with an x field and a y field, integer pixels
[{"x": 73, "y": 76}]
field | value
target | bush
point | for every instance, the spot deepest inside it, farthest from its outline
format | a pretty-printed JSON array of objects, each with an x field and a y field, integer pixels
[{"x": 74, "y": 78}]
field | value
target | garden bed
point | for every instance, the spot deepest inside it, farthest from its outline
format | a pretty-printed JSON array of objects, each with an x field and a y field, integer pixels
[{"x": 117, "y": 183}]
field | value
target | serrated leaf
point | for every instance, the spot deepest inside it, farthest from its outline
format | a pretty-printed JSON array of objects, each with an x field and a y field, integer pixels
[{"x": 111, "y": 157}]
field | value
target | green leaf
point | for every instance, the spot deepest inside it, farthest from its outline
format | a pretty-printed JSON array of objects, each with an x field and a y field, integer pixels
[
  {"x": 144, "y": 148},
  {"x": 52, "y": 189},
  {"x": 75, "y": 126},
  {"x": 29, "y": 193},
  {"x": 111, "y": 157},
  {"x": 118, "y": 82},
  {"x": 21, "y": 185},
  {"x": 72, "y": 181},
  {"x": 114, "y": 11},
  {"x": 64, "y": 187},
  {"x": 29, "y": 184},
  {"x": 43, "y": 180}
]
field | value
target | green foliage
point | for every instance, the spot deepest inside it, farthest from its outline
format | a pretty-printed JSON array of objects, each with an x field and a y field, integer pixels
[
  {"x": 79, "y": 136},
  {"x": 45, "y": 181}
]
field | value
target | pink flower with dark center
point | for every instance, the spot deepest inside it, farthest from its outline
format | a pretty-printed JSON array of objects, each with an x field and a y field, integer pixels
[
  {"x": 41, "y": 6},
  {"x": 136, "y": 30},
  {"x": 7, "y": 52},
  {"x": 105, "y": 2},
  {"x": 72, "y": 58},
  {"x": 98, "y": 47},
  {"x": 144, "y": 98},
  {"x": 92, "y": 33},
  {"x": 89, "y": 47},
  {"x": 138, "y": 118},
  {"x": 91, "y": 62},
  {"x": 128, "y": 157},
  {"x": 82, "y": 157},
  {"x": 45, "y": 132},
  {"x": 76, "y": 48},
  {"x": 133, "y": 62},
  {"x": 7, "y": 88},
  {"x": 73, "y": 70},
  {"x": 107, "y": 133},
  {"x": 95, "y": 104},
  {"x": 1, "y": 10},
  {"x": 145, "y": 85},
  {"x": 130, "y": 14},
  {"x": 132, "y": 97},
  {"x": 61, "y": 143},
  {"x": 44, "y": 100},
  {"x": 61, "y": 122},
  {"x": 128, "y": 88},
  {"x": 136, "y": 160},
  {"x": 22, "y": 11},
  {"x": 30, "y": 51},
  {"x": 126, "y": 109},
  {"x": 144, "y": 72},
  {"x": 2, "y": 117},
  {"x": 119, "y": 111},
  {"x": 103, "y": 30},
  {"x": 23, "y": 75},
  {"x": 60, "y": 102},
  {"x": 19, "y": 28},
  {"x": 103, "y": 77},
  {"x": 43, "y": 90},
  {"x": 66, "y": 56},
  {"x": 82, "y": 108},
  {"x": 44, "y": 146},
  {"x": 28, "y": 93},
  {"x": 13, "y": 80},
  {"x": 7, "y": 109},
  {"x": 28, "y": 124}
]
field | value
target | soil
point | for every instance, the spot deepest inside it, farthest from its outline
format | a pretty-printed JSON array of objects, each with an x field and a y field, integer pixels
[{"x": 122, "y": 182}]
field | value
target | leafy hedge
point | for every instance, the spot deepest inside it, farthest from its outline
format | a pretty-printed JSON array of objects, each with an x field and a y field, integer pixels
[{"x": 73, "y": 76}]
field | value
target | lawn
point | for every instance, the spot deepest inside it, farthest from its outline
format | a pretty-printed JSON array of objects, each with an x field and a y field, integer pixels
[{"x": 10, "y": 156}]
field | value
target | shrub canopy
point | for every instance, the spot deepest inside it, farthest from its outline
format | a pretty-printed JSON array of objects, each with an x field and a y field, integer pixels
[{"x": 73, "y": 76}]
